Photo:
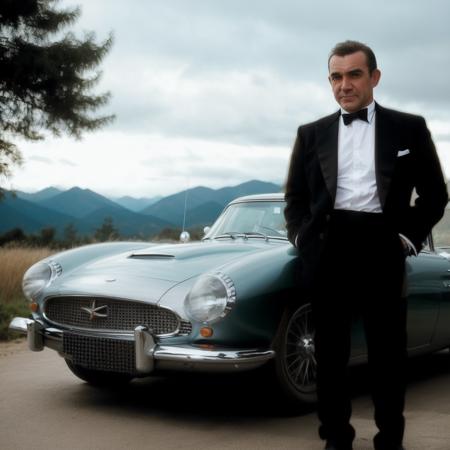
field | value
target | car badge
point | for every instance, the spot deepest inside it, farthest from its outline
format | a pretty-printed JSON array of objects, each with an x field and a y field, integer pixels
[{"x": 93, "y": 311}]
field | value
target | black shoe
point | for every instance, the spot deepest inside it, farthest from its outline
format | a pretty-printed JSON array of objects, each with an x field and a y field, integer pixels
[{"x": 330, "y": 445}]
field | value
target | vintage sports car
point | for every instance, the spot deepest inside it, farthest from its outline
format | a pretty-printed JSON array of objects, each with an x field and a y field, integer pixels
[{"x": 121, "y": 310}]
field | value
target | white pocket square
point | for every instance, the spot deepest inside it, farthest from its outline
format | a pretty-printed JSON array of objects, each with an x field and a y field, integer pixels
[{"x": 403, "y": 152}]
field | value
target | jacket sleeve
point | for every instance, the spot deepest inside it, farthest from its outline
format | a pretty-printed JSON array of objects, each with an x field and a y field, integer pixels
[
  {"x": 297, "y": 193},
  {"x": 431, "y": 189}
]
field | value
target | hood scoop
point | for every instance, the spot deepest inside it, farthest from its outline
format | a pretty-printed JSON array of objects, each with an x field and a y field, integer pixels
[{"x": 143, "y": 255}]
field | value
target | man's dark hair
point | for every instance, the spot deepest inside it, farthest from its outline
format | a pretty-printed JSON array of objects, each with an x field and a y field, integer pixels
[{"x": 349, "y": 47}]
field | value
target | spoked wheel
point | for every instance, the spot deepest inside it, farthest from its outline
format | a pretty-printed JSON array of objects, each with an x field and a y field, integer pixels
[{"x": 295, "y": 362}]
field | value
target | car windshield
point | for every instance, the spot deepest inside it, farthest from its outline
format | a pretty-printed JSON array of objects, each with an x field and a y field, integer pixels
[{"x": 258, "y": 218}]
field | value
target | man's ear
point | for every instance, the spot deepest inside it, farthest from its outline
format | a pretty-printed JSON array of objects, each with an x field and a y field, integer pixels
[{"x": 376, "y": 75}]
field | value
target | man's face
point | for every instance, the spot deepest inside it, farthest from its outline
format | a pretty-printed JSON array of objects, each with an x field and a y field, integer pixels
[{"x": 351, "y": 81}]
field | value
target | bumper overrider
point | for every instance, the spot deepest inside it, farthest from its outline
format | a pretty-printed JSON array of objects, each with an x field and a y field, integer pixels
[{"x": 150, "y": 354}]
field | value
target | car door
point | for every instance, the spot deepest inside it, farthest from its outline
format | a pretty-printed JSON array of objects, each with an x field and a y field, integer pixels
[
  {"x": 442, "y": 334},
  {"x": 427, "y": 275}
]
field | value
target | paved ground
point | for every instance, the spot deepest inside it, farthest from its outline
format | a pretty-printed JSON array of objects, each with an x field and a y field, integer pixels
[{"x": 42, "y": 406}]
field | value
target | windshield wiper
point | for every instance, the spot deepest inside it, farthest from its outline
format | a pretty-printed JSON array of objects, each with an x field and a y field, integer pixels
[
  {"x": 235, "y": 234},
  {"x": 229, "y": 234}
]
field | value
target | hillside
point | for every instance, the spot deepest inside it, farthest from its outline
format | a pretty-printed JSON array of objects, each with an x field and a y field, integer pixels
[
  {"x": 136, "y": 204},
  {"x": 16, "y": 212},
  {"x": 78, "y": 202},
  {"x": 204, "y": 201},
  {"x": 127, "y": 222},
  {"x": 86, "y": 210}
]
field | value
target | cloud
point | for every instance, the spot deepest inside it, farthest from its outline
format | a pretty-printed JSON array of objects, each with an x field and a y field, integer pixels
[
  {"x": 211, "y": 92},
  {"x": 110, "y": 162},
  {"x": 67, "y": 162},
  {"x": 41, "y": 159},
  {"x": 247, "y": 108},
  {"x": 251, "y": 71}
]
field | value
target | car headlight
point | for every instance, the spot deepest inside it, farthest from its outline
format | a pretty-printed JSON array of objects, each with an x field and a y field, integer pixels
[
  {"x": 211, "y": 298},
  {"x": 38, "y": 277}
]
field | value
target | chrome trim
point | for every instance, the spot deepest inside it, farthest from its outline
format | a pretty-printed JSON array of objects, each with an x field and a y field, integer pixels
[
  {"x": 93, "y": 311},
  {"x": 20, "y": 324},
  {"x": 145, "y": 344},
  {"x": 56, "y": 269},
  {"x": 34, "y": 336},
  {"x": 230, "y": 289},
  {"x": 194, "y": 358},
  {"x": 109, "y": 331},
  {"x": 32, "y": 329},
  {"x": 231, "y": 292},
  {"x": 271, "y": 197},
  {"x": 151, "y": 355}
]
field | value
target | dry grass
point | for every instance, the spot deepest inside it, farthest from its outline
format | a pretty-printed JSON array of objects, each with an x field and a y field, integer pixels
[{"x": 13, "y": 264}]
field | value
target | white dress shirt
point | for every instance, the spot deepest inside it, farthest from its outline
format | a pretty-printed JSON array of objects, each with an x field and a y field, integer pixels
[{"x": 356, "y": 182}]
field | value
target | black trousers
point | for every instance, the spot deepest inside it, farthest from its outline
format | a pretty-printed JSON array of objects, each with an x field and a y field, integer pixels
[{"x": 361, "y": 275}]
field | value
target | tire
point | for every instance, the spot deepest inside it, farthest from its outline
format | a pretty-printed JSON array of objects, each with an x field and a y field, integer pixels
[
  {"x": 98, "y": 378},
  {"x": 295, "y": 364}
]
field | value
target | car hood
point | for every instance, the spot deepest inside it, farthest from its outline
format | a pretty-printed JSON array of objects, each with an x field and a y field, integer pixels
[{"x": 148, "y": 273}]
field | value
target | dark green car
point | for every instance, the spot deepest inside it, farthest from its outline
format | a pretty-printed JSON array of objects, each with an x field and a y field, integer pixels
[{"x": 121, "y": 310}]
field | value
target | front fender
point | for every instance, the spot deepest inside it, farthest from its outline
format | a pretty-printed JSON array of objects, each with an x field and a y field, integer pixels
[{"x": 264, "y": 282}]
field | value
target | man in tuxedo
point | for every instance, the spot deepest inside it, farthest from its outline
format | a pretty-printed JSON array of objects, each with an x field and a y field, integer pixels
[{"x": 349, "y": 213}]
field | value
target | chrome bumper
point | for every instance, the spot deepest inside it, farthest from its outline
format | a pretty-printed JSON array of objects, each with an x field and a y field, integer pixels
[{"x": 150, "y": 354}]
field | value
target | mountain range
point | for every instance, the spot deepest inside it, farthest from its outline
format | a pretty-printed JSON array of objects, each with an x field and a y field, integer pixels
[{"x": 141, "y": 217}]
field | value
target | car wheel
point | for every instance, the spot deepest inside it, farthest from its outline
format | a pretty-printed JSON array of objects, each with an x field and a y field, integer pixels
[
  {"x": 295, "y": 363},
  {"x": 98, "y": 377}
]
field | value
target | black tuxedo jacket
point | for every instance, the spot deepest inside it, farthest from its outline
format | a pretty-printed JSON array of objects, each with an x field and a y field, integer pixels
[{"x": 312, "y": 181}]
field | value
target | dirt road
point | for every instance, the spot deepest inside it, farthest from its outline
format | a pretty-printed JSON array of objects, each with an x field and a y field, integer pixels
[{"x": 43, "y": 406}]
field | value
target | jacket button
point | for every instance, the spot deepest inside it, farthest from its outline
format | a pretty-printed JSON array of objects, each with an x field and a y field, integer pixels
[
  {"x": 327, "y": 217},
  {"x": 321, "y": 236}
]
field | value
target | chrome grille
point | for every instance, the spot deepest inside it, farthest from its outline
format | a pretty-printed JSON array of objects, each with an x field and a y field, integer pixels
[
  {"x": 122, "y": 315},
  {"x": 185, "y": 328},
  {"x": 100, "y": 353}
]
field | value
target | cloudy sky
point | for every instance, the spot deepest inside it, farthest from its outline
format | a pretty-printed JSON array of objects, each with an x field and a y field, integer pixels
[{"x": 210, "y": 92}]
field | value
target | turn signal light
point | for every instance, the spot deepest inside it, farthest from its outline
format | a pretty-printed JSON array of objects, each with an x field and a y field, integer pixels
[
  {"x": 206, "y": 332},
  {"x": 34, "y": 307}
]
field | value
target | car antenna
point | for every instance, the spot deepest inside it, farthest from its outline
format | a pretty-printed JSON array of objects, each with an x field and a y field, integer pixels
[
  {"x": 184, "y": 236},
  {"x": 184, "y": 212}
]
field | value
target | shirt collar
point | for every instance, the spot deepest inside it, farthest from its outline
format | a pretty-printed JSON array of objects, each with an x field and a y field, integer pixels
[{"x": 370, "y": 111}]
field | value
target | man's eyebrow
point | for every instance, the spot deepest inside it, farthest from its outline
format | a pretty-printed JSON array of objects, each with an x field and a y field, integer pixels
[{"x": 350, "y": 72}]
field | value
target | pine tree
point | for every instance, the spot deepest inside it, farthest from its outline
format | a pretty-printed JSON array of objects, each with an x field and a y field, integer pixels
[
  {"x": 107, "y": 231},
  {"x": 46, "y": 76},
  {"x": 70, "y": 235}
]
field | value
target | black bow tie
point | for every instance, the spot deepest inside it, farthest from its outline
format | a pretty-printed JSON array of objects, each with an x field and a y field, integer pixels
[{"x": 349, "y": 118}]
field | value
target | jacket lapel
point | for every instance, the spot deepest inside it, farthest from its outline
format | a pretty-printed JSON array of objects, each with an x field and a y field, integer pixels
[
  {"x": 327, "y": 151},
  {"x": 385, "y": 154}
]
